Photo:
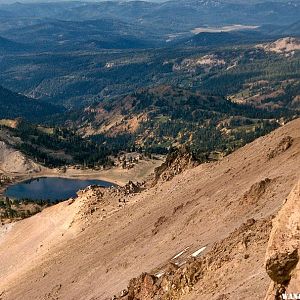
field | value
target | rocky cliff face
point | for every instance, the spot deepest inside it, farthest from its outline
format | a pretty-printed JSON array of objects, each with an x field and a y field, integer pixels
[
  {"x": 176, "y": 162},
  {"x": 179, "y": 279},
  {"x": 282, "y": 256}
]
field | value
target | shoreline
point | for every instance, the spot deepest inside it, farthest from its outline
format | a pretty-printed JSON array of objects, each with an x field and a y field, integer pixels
[
  {"x": 114, "y": 175},
  {"x": 21, "y": 178}
]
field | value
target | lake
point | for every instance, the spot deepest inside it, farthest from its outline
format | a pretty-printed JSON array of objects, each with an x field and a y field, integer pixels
[{"x": 50, "y": 188}]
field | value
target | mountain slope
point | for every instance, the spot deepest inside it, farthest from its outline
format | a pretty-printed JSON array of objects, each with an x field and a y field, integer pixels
[
  {"x": 158, "y": 118},
  {"x": 288, "y": 30},
  {"x": 172, "y": 15},
  {"x": 285, "y": 46},
  {"x": 52, "y": 147},
  {"x": 8, "y": 46},
  {"x": 91, "y": 35},
  {"x": 224, "y": 38},
  {"x": 13, "y": 161},
  {"x": 99, "y": 244},
  {"x": 14, "y": 105}
]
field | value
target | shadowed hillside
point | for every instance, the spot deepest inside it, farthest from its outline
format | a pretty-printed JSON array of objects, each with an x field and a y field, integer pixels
[{"x": 14, "y": 105}]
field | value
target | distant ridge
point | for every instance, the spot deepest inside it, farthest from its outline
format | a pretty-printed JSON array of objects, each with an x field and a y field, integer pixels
[{"x": 224, "y": 38}]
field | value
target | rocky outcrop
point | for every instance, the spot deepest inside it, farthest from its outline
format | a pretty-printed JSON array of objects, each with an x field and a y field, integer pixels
[
  {"x": 176, "y": 281},
  {"x": 101, "y": 201},
  {"x": 282, "y": 256},
  {"x": 283, "y": 145},
  {"x": 256, "y": 191},
  {"x": 287, "y": 46},
  {"x": 176, "y": 162}
]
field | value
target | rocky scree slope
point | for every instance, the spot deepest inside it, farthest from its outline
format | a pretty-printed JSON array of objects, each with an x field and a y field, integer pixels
[
  {"x": 13, "y": 161},
  {"x": 189, "y": 232}
]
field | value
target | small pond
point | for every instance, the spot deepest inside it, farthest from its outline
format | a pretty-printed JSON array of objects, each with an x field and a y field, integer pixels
[{"x": 50, "y": 188}]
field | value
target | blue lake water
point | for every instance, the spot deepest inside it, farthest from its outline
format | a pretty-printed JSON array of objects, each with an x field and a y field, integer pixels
[{"x": 50, "y": 188}]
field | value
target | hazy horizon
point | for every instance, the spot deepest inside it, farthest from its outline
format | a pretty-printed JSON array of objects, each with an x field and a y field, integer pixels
[{"x": 45, "y": 1}]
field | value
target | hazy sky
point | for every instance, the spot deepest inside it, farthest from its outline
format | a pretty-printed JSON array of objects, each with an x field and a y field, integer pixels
[{"x": 30, "y": 1}]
